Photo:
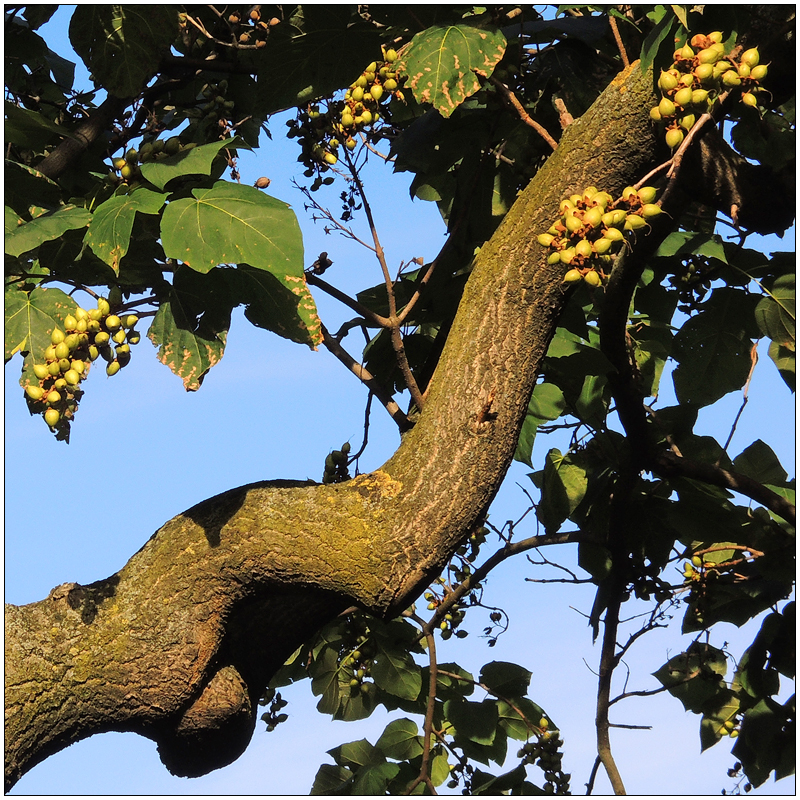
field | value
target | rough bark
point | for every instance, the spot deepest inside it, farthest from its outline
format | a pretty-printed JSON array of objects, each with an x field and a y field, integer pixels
[{"x": 179, "y": 644}]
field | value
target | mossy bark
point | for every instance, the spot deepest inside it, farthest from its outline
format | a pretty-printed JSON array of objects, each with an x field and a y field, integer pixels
[{"x": 180, "y": 643}]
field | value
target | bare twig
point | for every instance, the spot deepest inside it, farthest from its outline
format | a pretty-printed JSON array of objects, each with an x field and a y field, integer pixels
[
  {"x": 618, "y": 39},
  {"x": 523, "y": 114},
  {"x": 745, "y": 398},
  {"x": 367, "y": 379},
  {"x": 370, "y": 316}
]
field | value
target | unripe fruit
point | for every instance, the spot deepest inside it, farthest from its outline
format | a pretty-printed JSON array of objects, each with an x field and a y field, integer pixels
[
  {"x": 709, "y": 56},
  {"x": 79, "y": 366},
  {"x": 57, "y": 336},
  {"x": 390, "y": 56},
  {"x": 120, "y": 163},
  {"x": 704, "y": 72},
  {"x": 633, "y": 222},
  {"x": 53, "y": 397},
  {"x": 699, "y": 97},
  {"x": 134, "y": 337},
  {"x": 715, "y": 36},
  {"x": 376, "y": 92},
  {"x": 59, "y": 384},
  {"x": 72, "y": 377},
  {"x": 34, "y": 392},
  {"x": 390, "y": 84},
  {"x": 573, "y": 223},
  {"x": 667, "y": 81},
  {"x": 93, "y": 352},
  {"x": 687, "y": 122},
  {"x": 611, "y": 219},
  {"x": 113, "y": 368},
  {"x": 759, "y": 73},
  {"x": 683, "y": 97},
  {"x": 602, "y": 246},
  {"x": 647, "y": 194},
  {"x": 731, "y": 79},
  {"x": 40, "y": 371},
  {"x": 650, "y": 210},
  {"x": 330, "y": 158},
  {"x": 64, "y": 364},
  {"x": 53, "y": 369},
  {"x": 102, "y": 306},
  {"x": 615, "y": 234},
  {"x": 72, "y": 341},
  {"x": 592, "y": 278},
  {"x": 554, "y": 258},
  {"x": 697, "y": 561},
  {"x": 572, "y": 276},
  {"x": 584, "y": 248},
  {"x": 655, "y": 114},
  {"x": 112, "y": 322},
  {"x": 674, "y": 137},
  {"x": 743, "y": 70},
  {"x": 51, "y": 417},
  {"x": 545, "y": 239},
  {"x": 750, "y": 57},
  {"x": 566, "y": 255},
  {"x": 119, "y": 336},
  {"x": 749, "y": 99},
  {"x": 721, "y": 67},
  {"x": 127, "y": 172},
  {"x": 62, "y": 350},
  {"x": 593, "y": 217},
  {"x": 102, "y": 338}
]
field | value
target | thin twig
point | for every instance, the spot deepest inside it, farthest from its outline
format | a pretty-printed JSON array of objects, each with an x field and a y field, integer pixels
[
  {"x": 618, "y": 39},
  {"x": 354, "y": 305},
  {"x": 367, "y": 379},
  {"x": 523, "y": 114},
  {"x": 753, "y": 362}
]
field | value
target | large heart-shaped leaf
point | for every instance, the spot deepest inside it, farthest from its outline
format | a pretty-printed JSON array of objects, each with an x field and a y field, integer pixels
[
  {"x": 443, "y": 63},
  {"x": 43, "y": 228},
  {"x": 30, "y": 317},
  {"x": 233, "y": 224},
  {"x": 109, "y": 233},
  {"x": 121, "y": 45}
]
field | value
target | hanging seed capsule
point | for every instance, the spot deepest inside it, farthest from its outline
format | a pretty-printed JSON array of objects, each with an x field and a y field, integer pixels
[
  {"x": 731, "y": 79},
  {"x": 51, "y": 417},
  {"x": 633, "y": 222},
  {"x": 708, "y": 56},
  {"x": 749, "y": 99},
  {"x": 667, "y": 81},
  {"x": 592, "y": 278},
  {"x": 674, "y": 137},
  {"x": 584, "y": 249},
  {"x": 750, "y": 57},
  {"x": 647, "y": 194},
  {"x": 699, "y": 97},
  {"x": 759, "y": 72},
  {"x": 683, "y": 97},
  {"x": 655, "y": 114},
  {"x": 666, "y": 107},
  {"x": 545, "y": 239},
  {"x": 743, "y": 71},
  {"x": 615, "y": 234},
  {"x": 593, "y": 217},
  {"x": 573, "y": 276},
  {"x": 650, "y": 210}
]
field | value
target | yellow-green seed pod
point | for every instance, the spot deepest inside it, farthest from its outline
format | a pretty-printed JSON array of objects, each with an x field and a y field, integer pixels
[
  {"x": 614, "y": 219},
  {"x": 554, "y": 258},
  {"x": 62, "y": 350},
  {"x": 592, "y": 278},
  {"x": 633, "y": 222},
  {"x": 704, "y": 73},
  {"x": 572, "y": 276},
  {"x": 34, "y": 392},
  {"x": 759, "y": 72},
  {"x": 53, "y": 397},
  {"x": 699, "y": 97},
  {"x": 674, "y": 137},
  {"x": 731, "y": 79},
  {"x": 54, "y": 369},
  {"x": 683, "y": 97},
  {"x": 102, "y": 306},
  {"x": 687, "y": 79},
  {"x": 749, "y": 99},
  {"x": 687, "y": 52},
  {"x": 573, "y": 223},
  {"x": 650, "y": 210},
  {"x": 565, "y": 205},
  {"x": 750, "y": 57},
  {"x": 566, "y": 255},
  {"x": 655, "y": 114},
  {"x": 720, "y": 68},
  {"x": 584, "y": 249},
  {"x": 602, "y": 246},
  {"x": 113, "y": 368},
  {"x": 647, "y": 194},
  {"x": 51, "y": 417},
  {"x": 102, "y": 338},
  {"x": 743, "y": 70},
  {"x": 687, "y": 121},
  {"x": 57, "y": 336},
  {"x": 593, "y": 217},
  {"x": 72, "y": 377},
  {"x": 119, "y": 336},
  {"x": 709, "y": 56},
  {"x": 79, "y": 366},
  {"x": 667, "y": 81},
  {"x": 545, "y": 239}
]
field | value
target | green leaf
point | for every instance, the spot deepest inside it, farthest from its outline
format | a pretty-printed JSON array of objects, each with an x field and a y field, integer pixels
[
  {"x": 322, "y": 48},
  {"x": 775, "y": 314},
  {"x": 109, "y": 233},
  {"x": 547, "y": 404},
  {"x": 508, "y": 680},
  {"x": 684, "y": 243},
  {"x": 234, "y": 224},
  {"x": 659, "y": 34},
  {"x": 563, "y": 488},
  {"x": 400, "y": 740},
  {"x": 26, "y": 186},
  {"x": 784, "y": 359},
  {"x": 694, "y": 677},
  {"x": 356, "y": 754},
  {"x": 196, "y": 161},
  {"x": 766, "y": 736},
  {"x": 356, "y": 704},
  {"x": 447, "y": 687},
  {"x": 30, "y": 129},
  {"x": 476, "y": 722},
  {"x": 374, "y": 780},
  {"x": 595, "y": 559},
  {"x": 281, "y": 305},
  {"x": 30, "y": 235},
  {"x": 395, "y": 672},
  {"x": 189, "y": 349},
  {"x": 122, "y": 45},
  {"x": 722, "y": 708},
  {"x": 486, "y": 784},
  {"x": 442, "y": 61},
  {"x": 331, "y": 779},
  {"x": 759, "y": 462},
  {"x": 30, "y": 317},
  {"x": 714, "y": 348},
  {"x": 513, "y": 723},
  {"x": 651, "y": 357}
]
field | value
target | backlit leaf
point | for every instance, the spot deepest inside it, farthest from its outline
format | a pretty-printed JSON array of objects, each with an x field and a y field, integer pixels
[
  {"x": 43, "y": 228},
  {"x": 442, "y": 61},
  {"x": 547, "y": 403},
  {"x": 233, "y": 224},
  {"x": 775, "y": 314},
  {"x": 109, "y": 233},
  {"x": 196, "y": 161},
  {"x": 400, "y": 740},
  {"x": 122, "y": 45}
]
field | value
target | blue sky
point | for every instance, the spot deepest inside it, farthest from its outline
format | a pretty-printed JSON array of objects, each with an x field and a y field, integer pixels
[{"x": 143, "y": 450}]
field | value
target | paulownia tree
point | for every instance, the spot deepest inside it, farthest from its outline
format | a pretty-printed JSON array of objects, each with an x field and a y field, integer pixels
[{"x": 579, "y": 162}]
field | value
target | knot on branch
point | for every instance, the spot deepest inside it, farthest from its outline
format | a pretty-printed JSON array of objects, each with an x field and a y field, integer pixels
[{"x": 214, "y": 731}]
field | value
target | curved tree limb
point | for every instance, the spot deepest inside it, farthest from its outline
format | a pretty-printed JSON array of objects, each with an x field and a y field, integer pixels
[{"x": 179, "y": 643}]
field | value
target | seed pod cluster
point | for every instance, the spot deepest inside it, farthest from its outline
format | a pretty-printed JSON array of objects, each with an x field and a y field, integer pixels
[
  {"x": 321, "y": 133},
  {"x": 251, "y": 29},
  {"x": 336, "y": 465},
  {"x": 273, "y": 716},
  {"x": 53, "y": 388},
  {"x": 700, "y": 72},
  {"x": 591, "y": 230},
  {"x": 357, "y": 654},
  {"x": 545, "y": 754}
]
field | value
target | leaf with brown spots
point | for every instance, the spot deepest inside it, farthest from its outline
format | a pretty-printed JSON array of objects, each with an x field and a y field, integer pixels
[
  {"x": 109, "y": 233},
  {"x": 443, "y": 63}
]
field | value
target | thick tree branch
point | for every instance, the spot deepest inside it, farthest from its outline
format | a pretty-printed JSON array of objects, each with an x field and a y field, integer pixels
[{"x": 179, "y": 642}]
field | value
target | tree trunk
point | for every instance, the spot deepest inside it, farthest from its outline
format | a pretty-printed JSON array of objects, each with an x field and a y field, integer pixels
[{"x": 179, "y": 644}]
